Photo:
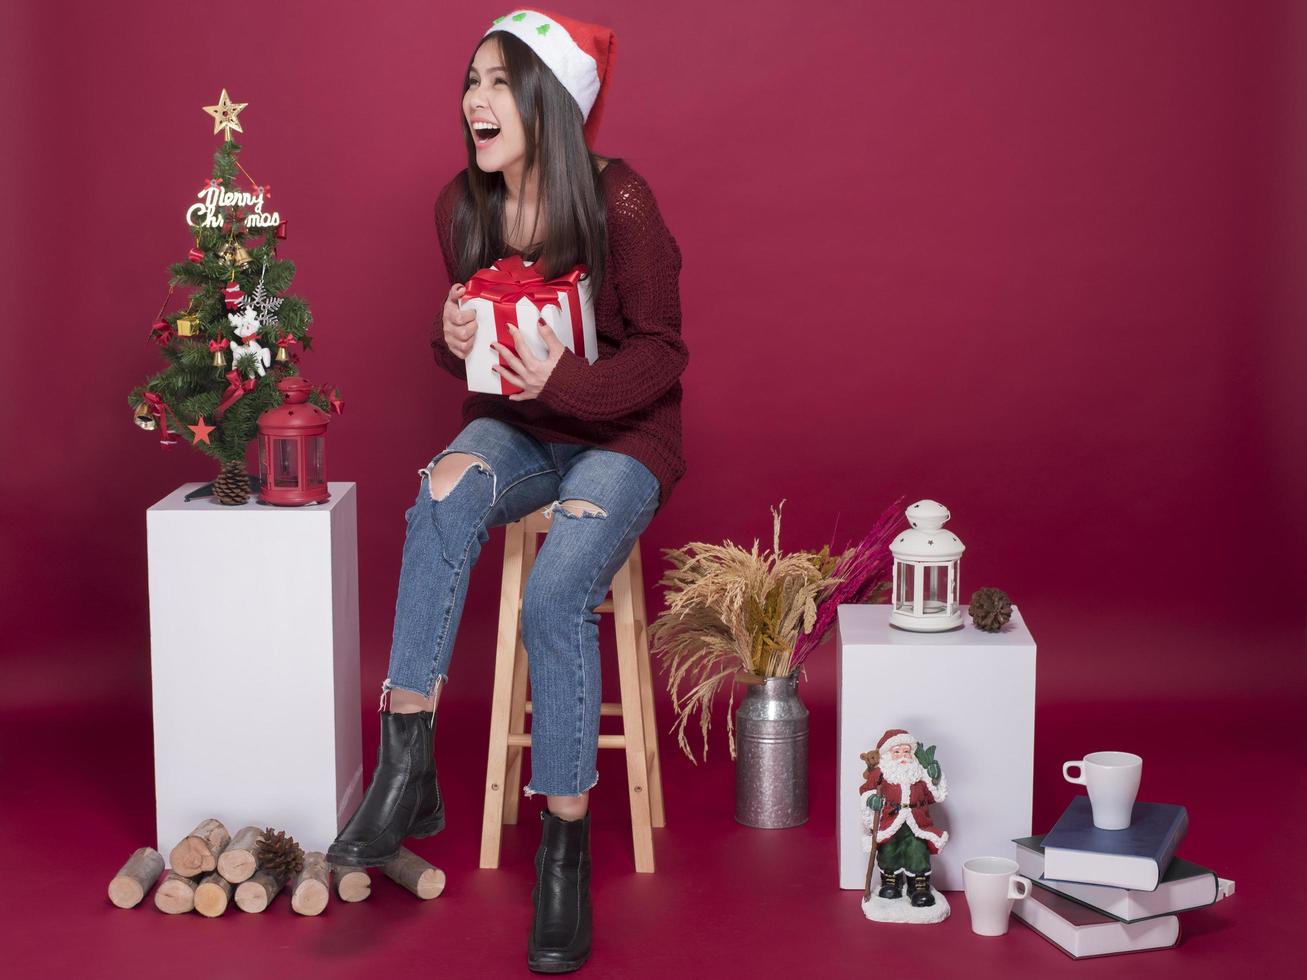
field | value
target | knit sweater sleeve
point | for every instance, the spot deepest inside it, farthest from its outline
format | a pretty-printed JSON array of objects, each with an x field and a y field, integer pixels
[
  {"x": 645, "y": 266},
  {"x": 445, "y": 357}
]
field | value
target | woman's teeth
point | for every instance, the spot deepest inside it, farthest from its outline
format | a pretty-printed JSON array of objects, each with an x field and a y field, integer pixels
[{"x": 484, "y": 133}]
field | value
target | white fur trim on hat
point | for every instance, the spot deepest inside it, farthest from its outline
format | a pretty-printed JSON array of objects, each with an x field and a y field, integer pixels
[
  {"x": 903, "y": 738},
  {"x": 574, "y": 68}
]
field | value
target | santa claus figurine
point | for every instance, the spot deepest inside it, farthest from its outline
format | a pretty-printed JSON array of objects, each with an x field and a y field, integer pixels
[{"x": 902, "y": 780}]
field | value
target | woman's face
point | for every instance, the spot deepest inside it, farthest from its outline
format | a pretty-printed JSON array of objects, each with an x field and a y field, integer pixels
[{"x": 489, "y": 100}]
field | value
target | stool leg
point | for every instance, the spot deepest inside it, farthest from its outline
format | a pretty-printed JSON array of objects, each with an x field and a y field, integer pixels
[
  {"x": 510, "y": 608},
  {"x": 517, "y": 705},
  {"x": 656, "y": 811},
  {"x": 637, "y": 769}
]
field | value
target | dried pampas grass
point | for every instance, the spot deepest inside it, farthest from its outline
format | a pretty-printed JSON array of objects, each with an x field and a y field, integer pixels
[{"x": 730, "y": 610}]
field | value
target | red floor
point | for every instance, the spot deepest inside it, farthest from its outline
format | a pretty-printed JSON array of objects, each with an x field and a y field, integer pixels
[{"x": 726, "y": 901}]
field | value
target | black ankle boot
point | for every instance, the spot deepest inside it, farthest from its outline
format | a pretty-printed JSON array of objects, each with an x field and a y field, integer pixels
[
  {"x": 891, "y": 885},
  {"x": 921, "y": 896},
  {"x": 561, "y": 930},
  {"x": 403, "y": 799}
]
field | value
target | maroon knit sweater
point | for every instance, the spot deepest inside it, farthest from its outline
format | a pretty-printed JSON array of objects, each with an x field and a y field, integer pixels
[{"x": 629, "y": 400}]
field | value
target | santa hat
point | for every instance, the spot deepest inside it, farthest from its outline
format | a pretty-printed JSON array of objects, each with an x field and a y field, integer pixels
[
  {"x": 579, "y": 54},
  {"x": 893, "y": 737}
]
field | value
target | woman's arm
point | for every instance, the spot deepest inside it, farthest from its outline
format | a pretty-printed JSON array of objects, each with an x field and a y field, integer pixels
[
  {"x": 646, "y": 266},
  {"x": 446, "y": 358}
]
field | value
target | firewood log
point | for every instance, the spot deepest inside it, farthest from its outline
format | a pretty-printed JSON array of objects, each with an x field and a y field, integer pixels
[
  {"x": 198, "y": 852},
  {"x": 212, "y": 895},
  {"x": 309, "y": 894},
  {"x": 237, "y": 862},
  {"x": 422, "y": 879},
  {"x": 176, "y": 894},
  {"x": 136, "y": 877},
  {"x": 257, "y": 893},
  {"x": 352, "y": 883}
]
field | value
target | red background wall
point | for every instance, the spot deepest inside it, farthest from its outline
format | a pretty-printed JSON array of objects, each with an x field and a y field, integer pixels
[{"x": 1040, "y": 261}]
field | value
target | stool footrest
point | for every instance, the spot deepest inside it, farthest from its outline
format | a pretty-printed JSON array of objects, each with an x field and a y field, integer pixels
[
  {"x": 523, "y": 740},
  {"x": 609, "y": 709}
]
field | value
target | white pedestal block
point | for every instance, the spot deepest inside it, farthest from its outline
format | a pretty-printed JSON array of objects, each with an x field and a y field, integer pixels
[
  {"x": 254, "y": 647},
  {"x": 970, "y": 693}
]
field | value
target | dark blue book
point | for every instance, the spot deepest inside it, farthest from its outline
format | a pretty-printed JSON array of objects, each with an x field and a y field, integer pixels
[{"x": 1137, "y": 857}]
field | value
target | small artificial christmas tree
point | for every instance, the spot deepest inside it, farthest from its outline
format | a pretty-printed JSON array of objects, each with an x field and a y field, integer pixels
[{"x": 221, "y": 373}]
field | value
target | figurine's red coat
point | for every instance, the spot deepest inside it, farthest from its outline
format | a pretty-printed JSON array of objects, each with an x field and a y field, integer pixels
[{"x": 916, "y": 815}]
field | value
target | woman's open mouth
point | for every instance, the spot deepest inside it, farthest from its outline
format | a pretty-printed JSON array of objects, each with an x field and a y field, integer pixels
[{"x": 484, "y": 134}]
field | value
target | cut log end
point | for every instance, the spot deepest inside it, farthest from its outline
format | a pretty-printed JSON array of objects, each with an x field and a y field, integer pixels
[
  {"x": 237, "y": 862},
  {"x": 176, "y": 894},
  {"x": 422, "y": 879},
  {"x": 212, "y": 895},
  {"x": 135, "y": 877},
  {"x": 198, "y": 852},
  {"x": 257, "y": 893},
  {"x": 310, "y": 890},
  {"x": 352, "y": 883}
]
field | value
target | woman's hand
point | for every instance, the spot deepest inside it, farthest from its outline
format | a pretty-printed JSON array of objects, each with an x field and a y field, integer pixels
[
  {"x": 524, "y": 369},
  {"x": 460, "y": 325}
]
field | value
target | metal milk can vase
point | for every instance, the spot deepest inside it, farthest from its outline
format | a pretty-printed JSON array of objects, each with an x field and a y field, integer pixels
[{"x": 771, "y": 764}]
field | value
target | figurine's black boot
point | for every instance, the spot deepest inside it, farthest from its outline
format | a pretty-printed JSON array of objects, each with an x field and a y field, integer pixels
[
  {"x": 561, "y": 930},
  {"x": 403, "y": 799},
  {"x": 891, "y": 885},
  {"x": 921, "y": 895}
]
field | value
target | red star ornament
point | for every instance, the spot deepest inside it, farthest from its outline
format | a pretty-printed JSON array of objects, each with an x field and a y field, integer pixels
[{"x": 201, "y": 432}]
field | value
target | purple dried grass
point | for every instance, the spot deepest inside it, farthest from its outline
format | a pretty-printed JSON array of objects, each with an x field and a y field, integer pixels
[{"x": 865, "y": 566}]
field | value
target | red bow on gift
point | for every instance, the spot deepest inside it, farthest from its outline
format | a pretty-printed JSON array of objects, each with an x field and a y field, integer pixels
[
  {"x": 511, "y": 280},
  {"x": 159, "y": 409},
  {"x": 236, "y": 389}
]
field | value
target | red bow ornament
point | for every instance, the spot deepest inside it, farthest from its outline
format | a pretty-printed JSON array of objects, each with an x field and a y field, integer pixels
[{"x": 236, "y": 389}]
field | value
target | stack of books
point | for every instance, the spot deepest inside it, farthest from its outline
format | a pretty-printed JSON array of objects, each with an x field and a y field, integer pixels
[{"x": 1100, "y": 892}]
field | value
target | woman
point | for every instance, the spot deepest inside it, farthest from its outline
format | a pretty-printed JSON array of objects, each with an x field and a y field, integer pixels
[{"x": 598, "y": 444}]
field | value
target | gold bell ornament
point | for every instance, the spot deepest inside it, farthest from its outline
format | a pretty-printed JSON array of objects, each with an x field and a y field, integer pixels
[
  {"x": 235, "y": 255},
  {"x": 142, "y": 417}
]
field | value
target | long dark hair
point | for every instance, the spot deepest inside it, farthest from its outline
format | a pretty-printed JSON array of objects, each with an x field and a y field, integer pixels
[{"x": 570, "y": 197}]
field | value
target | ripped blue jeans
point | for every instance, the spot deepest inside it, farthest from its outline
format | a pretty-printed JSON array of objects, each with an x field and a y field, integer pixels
[{"x": 516, "y": 474}]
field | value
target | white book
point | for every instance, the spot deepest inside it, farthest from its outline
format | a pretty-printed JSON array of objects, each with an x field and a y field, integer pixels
[
  {"x": 1080, "y": 932},
  {"x": 1185, "y": 886}
]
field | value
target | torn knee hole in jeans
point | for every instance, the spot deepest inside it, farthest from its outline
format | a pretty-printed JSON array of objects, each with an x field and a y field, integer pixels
[
  {"x": 575, "y": 508},
  {"x": 479, "y": 462}
]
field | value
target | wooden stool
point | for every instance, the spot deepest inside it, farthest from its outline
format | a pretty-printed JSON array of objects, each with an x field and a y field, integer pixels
[{"x": 509, "y": 705}]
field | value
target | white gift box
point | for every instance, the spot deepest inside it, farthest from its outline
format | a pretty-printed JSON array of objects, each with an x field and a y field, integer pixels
[
  {"x": 569, "y": 313},
  {"x": 968, "y": 692}
]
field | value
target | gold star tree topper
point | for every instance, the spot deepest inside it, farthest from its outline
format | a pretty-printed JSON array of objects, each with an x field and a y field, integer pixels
[{"x": 224, "y": 114}]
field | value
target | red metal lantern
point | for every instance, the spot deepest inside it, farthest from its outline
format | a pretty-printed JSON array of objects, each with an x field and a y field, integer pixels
[{"x": 293, "y": 448}]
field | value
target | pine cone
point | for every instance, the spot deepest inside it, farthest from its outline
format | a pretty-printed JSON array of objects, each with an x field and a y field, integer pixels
[
  {"x": 233, "y": 484},
  {"x": 990, "y": 608},
  {"x": 278, "y": 854}
]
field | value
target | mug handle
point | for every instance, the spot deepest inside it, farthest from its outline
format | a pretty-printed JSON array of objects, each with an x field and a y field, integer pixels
[
  {"x": 1018, "y": 887},
  {"x": 1079, "y": 780}
]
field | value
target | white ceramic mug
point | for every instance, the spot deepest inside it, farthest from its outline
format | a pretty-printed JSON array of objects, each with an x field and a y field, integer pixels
[
  {"x": 992, "y": 885},
  {"x": 1112, "y": 779}
]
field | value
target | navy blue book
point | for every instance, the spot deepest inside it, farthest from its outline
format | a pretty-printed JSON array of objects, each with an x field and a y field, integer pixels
[{"x": 1137, "y": 857}]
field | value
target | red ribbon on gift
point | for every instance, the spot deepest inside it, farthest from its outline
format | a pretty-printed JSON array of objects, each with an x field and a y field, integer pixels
[
  {"x": 159, "y": 409},
  {"x": 236, "y": 389},
  {"x": 509, "y": 280}
]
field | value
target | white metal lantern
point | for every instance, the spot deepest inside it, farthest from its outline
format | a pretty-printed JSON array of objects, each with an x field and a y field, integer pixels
[{"x": 926, "y": 560}]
